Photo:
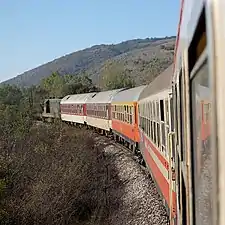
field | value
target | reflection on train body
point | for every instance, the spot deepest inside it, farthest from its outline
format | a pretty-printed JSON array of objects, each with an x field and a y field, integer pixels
[{"x": 201, "y": 93}]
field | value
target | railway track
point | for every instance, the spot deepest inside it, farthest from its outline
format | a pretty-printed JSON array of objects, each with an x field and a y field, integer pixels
[{"x": 140, "y": 202}]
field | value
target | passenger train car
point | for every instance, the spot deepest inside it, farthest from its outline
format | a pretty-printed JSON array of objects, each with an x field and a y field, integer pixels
[
  {"x": 155, "y": 124},
  {"x": 99, "y": 110},
  {"x": 177, "y": 121},
  {"x": 125, "y": 116},
  {"x": 197, "y": 86},
  {"x": 73, "y": 108}
]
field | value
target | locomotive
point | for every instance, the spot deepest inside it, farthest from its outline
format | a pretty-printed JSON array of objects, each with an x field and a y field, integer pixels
[{"x": 176, "y": 122}]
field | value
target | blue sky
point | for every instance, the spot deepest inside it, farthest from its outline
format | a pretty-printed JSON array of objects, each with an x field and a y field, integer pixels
[{"x": 34, "y": 32}]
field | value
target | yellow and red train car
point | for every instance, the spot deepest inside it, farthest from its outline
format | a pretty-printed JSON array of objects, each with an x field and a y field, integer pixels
[{"x": 125, "y": 115}]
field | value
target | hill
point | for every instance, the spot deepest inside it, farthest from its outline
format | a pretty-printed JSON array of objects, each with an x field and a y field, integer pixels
[{"x": 142, "y": 58}]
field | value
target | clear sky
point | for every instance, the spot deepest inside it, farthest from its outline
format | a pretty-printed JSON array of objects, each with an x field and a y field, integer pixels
[{"x": 34, "y": 32}]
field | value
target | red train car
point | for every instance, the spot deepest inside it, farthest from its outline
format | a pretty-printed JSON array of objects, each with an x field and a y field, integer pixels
[{"x": 73, "y": 108}]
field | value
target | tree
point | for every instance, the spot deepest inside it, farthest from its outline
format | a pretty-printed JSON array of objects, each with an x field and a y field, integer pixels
[
  {"x": 53, "y": 84},
  {"x": 10, "y": 95},
  {"x": 114, "y": 76},
  {"x": 59, "y": 86}
]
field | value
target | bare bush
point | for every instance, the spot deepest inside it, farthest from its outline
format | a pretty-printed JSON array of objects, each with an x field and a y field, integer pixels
[{"x": 52, "y": 177}]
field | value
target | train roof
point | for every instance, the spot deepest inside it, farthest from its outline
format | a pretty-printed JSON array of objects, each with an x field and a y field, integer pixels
[
  {"x": 104, "y": 96},
  {"x": 162, "y": 82},
  {"x": 78, "y": 98},
  {"x": 128, "y": 95}
]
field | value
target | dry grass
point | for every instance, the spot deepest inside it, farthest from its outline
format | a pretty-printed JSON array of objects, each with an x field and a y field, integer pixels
[{"x": 53, "y": 176}]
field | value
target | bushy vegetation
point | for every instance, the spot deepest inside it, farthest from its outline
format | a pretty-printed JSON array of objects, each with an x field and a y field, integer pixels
[
  {"x": 114, "y": 76},
  {"x": 49, "y": 177},
  {"x": 47, "y": 172}
]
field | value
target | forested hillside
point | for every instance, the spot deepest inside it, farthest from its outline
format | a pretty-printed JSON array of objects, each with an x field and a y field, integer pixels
[{"x": 140, "y": 59}]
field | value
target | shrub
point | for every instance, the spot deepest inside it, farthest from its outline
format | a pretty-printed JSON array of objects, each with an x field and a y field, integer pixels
[{"x": 51, "y": 177}]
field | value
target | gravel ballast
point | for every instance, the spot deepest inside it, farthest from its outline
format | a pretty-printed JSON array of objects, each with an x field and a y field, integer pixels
[{"x": 131, "y": 196}]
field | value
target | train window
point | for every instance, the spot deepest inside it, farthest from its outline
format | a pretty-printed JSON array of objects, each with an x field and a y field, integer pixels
[
  {"x": 143, "y": 120},
  {"x": 146, "y": 128},
  {"x": 163, "y": 134},
  {"x": 157, "y": 110},
  {"x": 201, "y": 92},
  {"x": 158, "y": 134},
  {"x": 143, "y": 124},
  {"x": 167, "y": 133},
  {"x": 152, "y": 113},
  {"x": 155, "y": 135},
  {"x": 172, "y": 114},
  {"x": 161, "y": 110},
  {"x": 149, "y": 112},
  {"x": 151, "y": 130},
  {"x": 167, "y": 111}
]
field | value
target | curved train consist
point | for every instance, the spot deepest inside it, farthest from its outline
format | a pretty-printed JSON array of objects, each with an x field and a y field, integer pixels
[{"x": 176, "y": 123}]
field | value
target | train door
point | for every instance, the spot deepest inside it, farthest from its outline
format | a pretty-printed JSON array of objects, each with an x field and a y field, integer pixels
[
  {"x": 174, "y": 124},
  {"x": 172, "y": 156},
  {"x": 48, "y": 106}
]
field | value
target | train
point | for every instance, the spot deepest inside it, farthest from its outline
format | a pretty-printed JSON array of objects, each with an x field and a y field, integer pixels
[{"x": 176, "y": 122}]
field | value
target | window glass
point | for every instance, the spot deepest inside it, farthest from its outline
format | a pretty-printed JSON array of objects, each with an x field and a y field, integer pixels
[
  {"x": 202, "y": 150},
  {"x": 153, "y": 108},
  {"x": 154, "y": 134},
  {"x": 152, "y": 130},
  {"x": 167, "y": 111},
  {"x": 157, "y": 111},
  {"x": 172, "y": 114},
  {"x": 161, "y": 110},
  {"x": 158, "y": 134},
  {"x": 163, "y": 134}
]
